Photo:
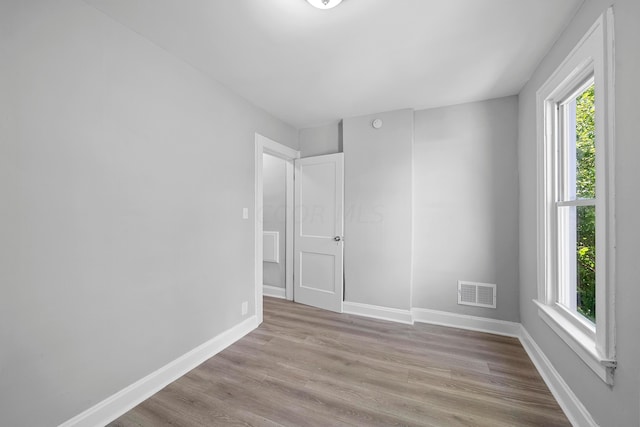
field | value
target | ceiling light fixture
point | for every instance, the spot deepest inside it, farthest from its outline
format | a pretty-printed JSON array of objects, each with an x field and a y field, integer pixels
[{"x": 324, "y": 4}]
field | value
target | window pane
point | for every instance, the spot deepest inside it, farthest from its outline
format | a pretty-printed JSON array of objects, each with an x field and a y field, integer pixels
[
  {"x": 585, "y": 144},
  {"x": 567, "y": 269},
  {"x": 586, "y": 261},
  {"x": 577, "y": 259}
]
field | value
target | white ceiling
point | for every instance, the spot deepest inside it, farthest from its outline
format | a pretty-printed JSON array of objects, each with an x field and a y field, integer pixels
[{"x": 310, "y": 67}]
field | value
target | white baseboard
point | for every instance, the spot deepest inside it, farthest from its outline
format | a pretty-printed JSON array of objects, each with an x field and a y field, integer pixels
[
  {"x": 124, "y": 400},
  {"x": 378, "y": 312},
  {"x": 568, "y": 401},
  {"x": 462, "y": 321},
  {"x": 273, "y": 291}
]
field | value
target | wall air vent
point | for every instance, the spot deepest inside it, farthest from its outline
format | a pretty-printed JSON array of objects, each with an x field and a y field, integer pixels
[{"x": 477, "y": 294}]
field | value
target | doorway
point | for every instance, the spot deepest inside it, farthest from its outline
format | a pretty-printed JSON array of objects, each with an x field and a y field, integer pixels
[
  {"x": 275, "y": 238},
  {"x": 313, "y": 227}
]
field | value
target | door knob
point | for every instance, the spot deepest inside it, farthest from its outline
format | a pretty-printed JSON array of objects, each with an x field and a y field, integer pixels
[{"x": 337, "y": 238}]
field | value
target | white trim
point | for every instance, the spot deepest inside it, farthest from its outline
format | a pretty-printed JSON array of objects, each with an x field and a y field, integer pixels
[
  {"x": 124, "y": 400},
  {"x": 290, "y": 229},
  {"x": 413, "y": 213},
  {"x": 582, "y": 344},
  {"x": 568, "y": 401},
  {"x": 274, "y": 292},
  {"x": 378, "y": 312},
  {"x": 463, "y": 321},
  {"x": 593, "y": 54},
  {"x": 579, "y": 202},
  {"x": 276, "y": 149},
  {"x": 258, "y": 215},
  {"x": 606, "y": 336},
  {"x": 266, "y": 145}
]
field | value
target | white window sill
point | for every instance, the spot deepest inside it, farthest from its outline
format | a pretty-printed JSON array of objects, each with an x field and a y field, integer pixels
[{"x": 582, "y": 343}]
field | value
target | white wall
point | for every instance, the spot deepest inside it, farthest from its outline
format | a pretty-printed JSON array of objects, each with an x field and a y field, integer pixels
[
  {"x": 619, "y": 405},
  {"x": 274, "y": 174},
  {"x": 377, "y": 247},
  {"x": 321, "y": 140},
  {"x": 466, "y": 205},
  {"x": 124, "y": 174}
]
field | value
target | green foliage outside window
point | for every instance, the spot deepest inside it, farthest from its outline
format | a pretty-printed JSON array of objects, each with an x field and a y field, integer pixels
[{"x": 586, "y": 189}]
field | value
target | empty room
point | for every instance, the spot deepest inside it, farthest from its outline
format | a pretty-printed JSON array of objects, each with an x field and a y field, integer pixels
[{"x": 319, "y": 213}]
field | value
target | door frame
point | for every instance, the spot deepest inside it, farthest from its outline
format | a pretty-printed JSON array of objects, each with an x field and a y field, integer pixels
[{"x": 264, "y": 145}]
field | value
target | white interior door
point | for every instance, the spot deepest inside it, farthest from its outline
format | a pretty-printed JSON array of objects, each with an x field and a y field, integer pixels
[{"x": 319, "y": 225}]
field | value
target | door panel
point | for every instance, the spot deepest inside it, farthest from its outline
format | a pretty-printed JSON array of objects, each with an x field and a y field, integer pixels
[
  {"x": 319, "y": 186},
  {"x": 317, "y": 200}
]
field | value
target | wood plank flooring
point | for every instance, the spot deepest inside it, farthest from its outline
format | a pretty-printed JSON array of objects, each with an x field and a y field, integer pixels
[{"x": 309, "y": 367}]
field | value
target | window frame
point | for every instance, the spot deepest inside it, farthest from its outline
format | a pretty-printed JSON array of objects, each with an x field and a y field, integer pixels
[{"x": 593, "y": 57}]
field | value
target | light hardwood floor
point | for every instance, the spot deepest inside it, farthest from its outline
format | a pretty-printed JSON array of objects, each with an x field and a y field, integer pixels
[{"x": 309, "y": 367}]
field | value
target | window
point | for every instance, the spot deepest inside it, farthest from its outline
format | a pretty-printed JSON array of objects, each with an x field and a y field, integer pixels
[
  {"x": 575, "y": 200},
  {"x": 575, "y": 208}
]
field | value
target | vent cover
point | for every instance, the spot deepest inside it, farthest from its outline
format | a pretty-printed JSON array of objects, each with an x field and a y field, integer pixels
[{"x": 477, "y": 294}]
